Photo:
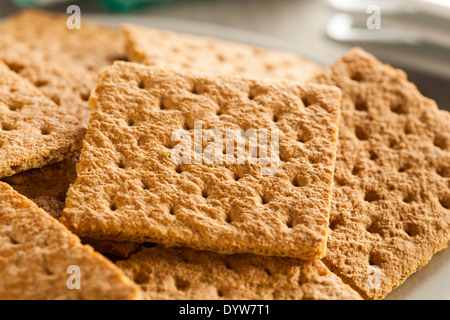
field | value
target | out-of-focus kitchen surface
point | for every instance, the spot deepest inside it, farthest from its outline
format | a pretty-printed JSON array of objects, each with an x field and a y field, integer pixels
[{"x": 303, "y": 24}]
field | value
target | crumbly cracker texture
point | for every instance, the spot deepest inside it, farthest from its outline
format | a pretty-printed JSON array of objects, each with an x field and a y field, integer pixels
[
  {"x": 36, "y": 253},
  {"x": 185, "y": 274},
  {"x": 34, "y": 131},
  {"x": 130, "y": 189},
  {"x": 167, "y": 49},
  {"x": 62, "y": 62},
  {"x": 391, "y": 203}
]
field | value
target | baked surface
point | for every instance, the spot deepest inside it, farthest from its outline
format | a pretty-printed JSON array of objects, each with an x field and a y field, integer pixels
[
  {"x": 180, "y": 273},
  {"x": 166, "y": 49},
  {"x": 391, "y": 203},
  {"x": 34, "y": 131},
  {"x": 36, "y": 252},
  {"x": 130, "y": 189}
]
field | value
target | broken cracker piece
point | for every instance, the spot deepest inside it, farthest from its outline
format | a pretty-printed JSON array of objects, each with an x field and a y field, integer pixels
[{"x": 41, "y": 259}]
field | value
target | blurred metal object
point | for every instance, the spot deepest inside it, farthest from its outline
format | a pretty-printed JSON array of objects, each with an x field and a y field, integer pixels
[
  {"x": 344, "y": 27},
  {"x": 440, "y": 8}
]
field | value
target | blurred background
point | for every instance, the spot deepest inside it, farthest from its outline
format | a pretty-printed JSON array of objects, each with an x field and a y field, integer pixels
[{"x": 414, "y": 34}]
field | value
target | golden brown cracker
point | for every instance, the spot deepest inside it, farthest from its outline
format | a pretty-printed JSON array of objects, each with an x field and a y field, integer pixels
[
  {"x": 390, "y": 209},
  {"x": 166, "y": 49},
  {"x": 185, "y": 274},
  {"x": 130, "y": 189},
  {"x": 38, "y": 255}
]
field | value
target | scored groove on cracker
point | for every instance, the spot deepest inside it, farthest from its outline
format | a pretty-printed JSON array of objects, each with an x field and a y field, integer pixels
[
  {"x": 36, "y": 252},
  {"x": 181, "y": 273},
  {"x": 166, "y": 49},
  {"x": 129, "y": 189},
  {"x": 391, "y": 202},
  {"x": 34, "y": 132}
]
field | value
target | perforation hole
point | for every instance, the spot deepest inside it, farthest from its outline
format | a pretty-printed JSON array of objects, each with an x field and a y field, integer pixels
[
  {"x": 179, "y": 169},
  {"x": 40, "y": 83},
  {"x": 228, "y": 218},
  {"x": 162, "y": 105},
  {"x": 374, "y": 228},
  {"x": 440, "y": 142},
  {"x": 220, "y": 293},
  {"x": 265, "y": 199},
  {"x": 361, "y": 133},
  {"x": 300, "y": 181},
  {"x": 372, "y": 155},
  {"x": 444, "y": 172},
  {"x": 8, "y": 127},
  {"x": 130, "y": 122},
  {"x": 205, "y": 193},
  {"x": 411, "y": 229},
  {"x": 398, "y": 108},
  {"x": 195, "y": 89},
  {"x": 113, "y": 206},
  {"x": 276, "y": 118},
  {"x": 361, "y": 105},
  {"x": 181, "y": 284},
  {"x": 306, "y": 101},
  {"x": 357, "y": 76},
  {"x": 145, "y": 185},
  {"x": 141, "y": 277},
  {"x": 141, "y": 84},
  {"x": 85, "y": 96},
  {"x": 237, "y": 176},
  {"x": 16, "y": 106},
  {"x": 371, "y": 196},
  {"x": 445, "y": 202},
  {"x": 13, "y": 240},
  {"x": 375, "y": 259},
  {"x": 290, "y": 222},
  {"x": 45, "y": 131},
  {"x": 409, "y": 198},
  {"x": 121, "y": 164},
  {"x": 405, "y": 167}
]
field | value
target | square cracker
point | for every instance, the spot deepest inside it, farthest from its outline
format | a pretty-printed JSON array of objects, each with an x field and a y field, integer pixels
[
  {"x": 166, "y": 49},
  {"x": 34, "y": 131},
  {"x": 129, "y": 188},
  {"x": 62, "y": 62},
  {"x": 185, "y": 274},
  {"x": 391, "y": 203},
  {"x": 36, "y": 252}
]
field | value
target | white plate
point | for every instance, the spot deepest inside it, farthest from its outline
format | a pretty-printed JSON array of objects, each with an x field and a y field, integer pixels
[{"x": 432, "y": 282}]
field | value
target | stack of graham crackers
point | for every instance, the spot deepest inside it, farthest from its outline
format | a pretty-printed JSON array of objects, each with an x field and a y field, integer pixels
[{"x": 357, "y": 197}]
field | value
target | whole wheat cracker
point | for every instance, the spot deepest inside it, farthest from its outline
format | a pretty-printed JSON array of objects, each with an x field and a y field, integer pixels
[
  {"x": 185, "y": 274},
  {"x": 63, "y": 62},
  {"x": 391, "y": 202},
  {"x": 36, "y": 252},
  {"x": 48, "y": 186},
  {"x": 129, "y": 189},
  {"x": 34, "y": 131},
  {"x": 167, "y": 49}
]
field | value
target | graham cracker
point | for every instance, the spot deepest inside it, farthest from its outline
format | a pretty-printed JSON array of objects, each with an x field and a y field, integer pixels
[
  {"x": 34, "y": 131},
  {"x": 37, "y": 254},
  {"x": 48, "y": 186},
  {"x": 185, "y": 274},
  {"x": 167, "y": 49},
  {"x": 390, "y": 210},
  {"x": 130, "y": 189},
  {"x": 62, "y": 62}
]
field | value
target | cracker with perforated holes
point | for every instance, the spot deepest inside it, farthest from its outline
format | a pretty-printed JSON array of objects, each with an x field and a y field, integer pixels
[
  {"x": 40, "y": 258},
  {"x": 47, "y": 187},
  {"x": 391, "y": 204},
  {"x": 62, "y": 62},
  {"x": 34, "y": 131},
  {"x": 185, "y": 274},
  {"x": 129, "y": 188},
  {"x": 167, "y": 49}
]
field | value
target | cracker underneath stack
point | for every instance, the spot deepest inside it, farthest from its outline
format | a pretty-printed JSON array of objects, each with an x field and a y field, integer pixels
[
  {"x": 391, "y": 202},
  {"x": 187, "y": 274},
  {"x": 141, "y": 195},
  {"x": 36, "y": 252},
  {"x": 167, "y": 49},
  {"x": 62, "y": 62},
  {"x": 34, "y": 131}
]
